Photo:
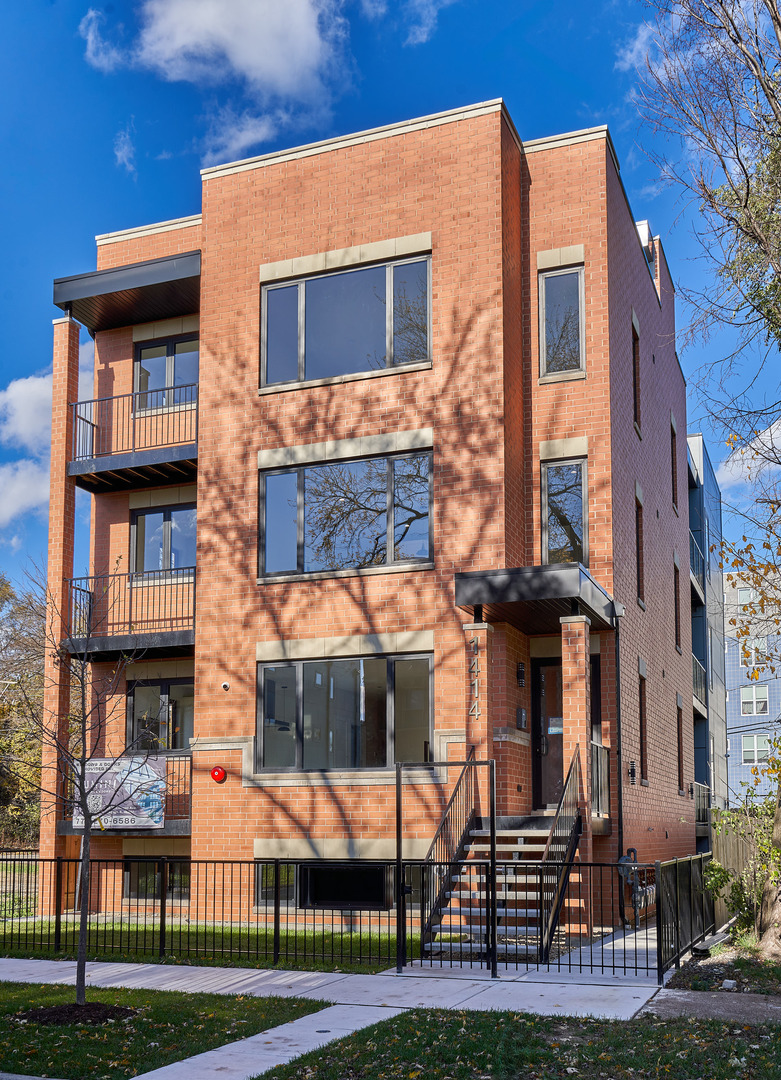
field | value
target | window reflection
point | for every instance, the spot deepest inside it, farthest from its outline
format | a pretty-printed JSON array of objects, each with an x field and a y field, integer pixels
[{"x": 564, "y": 512}]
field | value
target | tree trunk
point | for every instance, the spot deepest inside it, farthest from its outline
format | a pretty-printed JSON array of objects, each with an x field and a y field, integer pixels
[
  {"x": 81, "y": 953},
  {"x": 769, "y": 918}
]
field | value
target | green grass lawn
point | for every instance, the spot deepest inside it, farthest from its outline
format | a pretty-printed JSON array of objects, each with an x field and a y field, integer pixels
[
  {"x": 433, "y": 1045},
  {"x": 230, "y": 946},
  {"x": 167, "y": 1027},
  {"x": 738, "y": 959}
]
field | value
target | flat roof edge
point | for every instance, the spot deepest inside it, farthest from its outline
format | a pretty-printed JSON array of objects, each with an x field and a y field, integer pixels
[
  {"x": 148, "y": 230},
  {"x": 370, "y": 135}
]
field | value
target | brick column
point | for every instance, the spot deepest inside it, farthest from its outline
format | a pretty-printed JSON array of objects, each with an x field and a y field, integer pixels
[
  {"x": 576, "y": 706},
  {"x": 62, "y": 500}
]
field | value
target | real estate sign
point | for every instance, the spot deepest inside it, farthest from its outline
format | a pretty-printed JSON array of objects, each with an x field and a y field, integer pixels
[{"x": 125, "y": 793}]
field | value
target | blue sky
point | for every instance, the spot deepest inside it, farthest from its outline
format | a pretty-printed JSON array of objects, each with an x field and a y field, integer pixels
[{"x": 111, "y": 111}]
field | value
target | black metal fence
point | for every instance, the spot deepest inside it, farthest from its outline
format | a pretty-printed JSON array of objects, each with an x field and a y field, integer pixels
[
  {"x": 141, "y": 421},
  {"x": 311, "y": 914},
  {"x": 685, "y": 908}
]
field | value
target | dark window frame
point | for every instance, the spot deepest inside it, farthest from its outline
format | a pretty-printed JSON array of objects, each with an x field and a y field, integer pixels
[
  {"x": 639, "y": 551},
  {"x": 636, "y": 376},
  {"x": 391, "y": 563},
  {"x": 674, "y": 465},
  {"x": 167, "y": 509},
  {"x": 301, "y": 283},
  {"x": 165, "y": 687},
  {"x": 643, "y": 725},
  {"x": 679, "y": 733},
  {"x": 390, "y": 710},
  {"x": 677, "y": 605},
  {"x": 554, "y": 463},
  {"x": 542, "y": 277},
  {"x": 170, "y": 362}
]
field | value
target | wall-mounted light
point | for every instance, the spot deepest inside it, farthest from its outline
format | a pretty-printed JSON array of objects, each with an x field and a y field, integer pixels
[
  {"x": 520, "y": 673},
  {"x": 632, "y": 772},
  {"x": 691, "y": 791}
]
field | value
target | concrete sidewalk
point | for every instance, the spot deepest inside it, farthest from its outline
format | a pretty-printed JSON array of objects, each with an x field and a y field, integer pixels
[{"x": 361, "y": 1000}]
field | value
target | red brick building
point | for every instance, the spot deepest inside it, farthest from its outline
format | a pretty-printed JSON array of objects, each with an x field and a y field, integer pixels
[{"x": 385, "y": 452}]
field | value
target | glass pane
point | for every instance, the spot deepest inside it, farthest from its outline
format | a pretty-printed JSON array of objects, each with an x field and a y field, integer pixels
[
  {"x": 181, "y": 702},
  {"x": 345, "y": 714},
  {"x": 410, "y": 507},
  {"x": 148, "y": 718},
  {"x": 282, "y": 334},
  {"x": 412, "y": 715},
  {"x": 763, "y": 747},
  {"x": 280, "y": 540},
  {"x": 345, "y": 323},
  {"x": 151, "y": 368},
  {"x": 760, "y": 699},
  {"x": 748, "y": 749},
  {"x": 345, "y": 515},
  {"x": 746, "y": 700},
  {"x": 182, "y": 538},
  {"x": 410, "y": 312},
  {"x": 562, "y": 322},
  {"x": 565, "y": 513},
  {"x": 149, "y": 541},
  {"x": 185, "y": 371},
  {"x": 279, "y": 717}
]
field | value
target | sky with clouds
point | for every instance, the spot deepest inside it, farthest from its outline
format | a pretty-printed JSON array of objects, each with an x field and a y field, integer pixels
[{"x": 111, "y": 110}]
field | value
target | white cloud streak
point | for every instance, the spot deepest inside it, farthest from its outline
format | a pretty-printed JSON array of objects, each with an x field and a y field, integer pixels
[
  {"x": 231, "y": 135},
  {"x": 632, "y": 54},
  {"x": 125, "y": 150},
  {"x": 25, "y": 487},
  {"x": 100, "y": 53},
  {"x": 423, "y": 15},
  {"x": 25, "y": 413}
]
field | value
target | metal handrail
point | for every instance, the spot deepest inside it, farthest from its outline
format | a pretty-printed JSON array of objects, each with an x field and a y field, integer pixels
[
  {"x": 444, "y": 823},
  {"x": 701, "y": 803},
  {"x": 699, "y": 680},
  {"x": 696, "y": 561},
  {"x": 143, "y": 420},
  {"x": 558, "y": 855}
]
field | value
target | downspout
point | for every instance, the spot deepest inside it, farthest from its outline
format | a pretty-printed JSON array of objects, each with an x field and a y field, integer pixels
[{"x": 618, "y": 612}]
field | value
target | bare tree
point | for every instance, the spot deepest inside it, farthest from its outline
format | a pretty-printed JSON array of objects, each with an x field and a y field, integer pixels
[
  {"x": 91, "y": 769},
  {"x": 712, "y": 84}
]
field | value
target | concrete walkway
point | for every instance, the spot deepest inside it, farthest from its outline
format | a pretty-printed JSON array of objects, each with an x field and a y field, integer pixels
[{"x": 360, "y": 1000}]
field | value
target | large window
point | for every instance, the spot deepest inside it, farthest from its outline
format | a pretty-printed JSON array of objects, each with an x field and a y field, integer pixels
[
  {"x": 367, "y": 319},
  {"x": 562, "y": 339},
  {"x": 163, "y": 538},
  {"x": 753, "y": 700},
  {"x": 346, "y": 515},
  {"x": 160, "y": 714},
  {"x": 564, "y": 496},
  {"x": 753, "y": 652},
  {"x": 166, "y": 372},
  {"x": 756, "y": 749},
  {"x": 360, "y": 713}
]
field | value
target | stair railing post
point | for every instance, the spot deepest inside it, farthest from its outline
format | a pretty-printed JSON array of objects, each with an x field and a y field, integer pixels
[
  {"x": 58, "y": 904},
  {"x": 163, "y": 900},
  {"x": 492, "y": 881},
  {"x": 659, "y": 924},
  {"x": 400, "y": 896}
]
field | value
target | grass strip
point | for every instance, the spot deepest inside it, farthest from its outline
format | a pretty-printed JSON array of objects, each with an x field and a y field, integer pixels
[
  {"x": 516, "y": 1046},
  {"x": 168, "y": 1026}
]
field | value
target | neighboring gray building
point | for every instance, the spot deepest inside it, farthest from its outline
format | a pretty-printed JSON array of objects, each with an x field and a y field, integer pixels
[
  {"x": 753, "y": 705},
  {"x": 707, "y": 600}
]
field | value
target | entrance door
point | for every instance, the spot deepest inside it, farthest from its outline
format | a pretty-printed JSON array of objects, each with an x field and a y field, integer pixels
[{"x": 547, "y": 733}]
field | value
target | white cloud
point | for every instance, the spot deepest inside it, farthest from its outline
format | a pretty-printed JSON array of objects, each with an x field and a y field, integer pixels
[
  {"x": 100, "y": 54},
  {"x": 423, "y": 15},
  {"x": 374, "y": 9},
  {"x": 632, "y": 53},
  {"x": 231, "y": 135},
  {"x": 25, "y": 487},
  {"x": 25, "y": 413},
  {"x": 125, "y": 150},
  {"x": 758, "y": 460}
]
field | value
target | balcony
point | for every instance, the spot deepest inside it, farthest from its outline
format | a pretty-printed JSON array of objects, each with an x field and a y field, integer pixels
[
  {"x": 702, "y": 809},
  {"x": 696, "y": 569},
  {"x": 135, "y": 440},
  {"x": 699, "y": 685},
  {"x": 178, "y": 800},
  {"x": 114, "y": 615}
]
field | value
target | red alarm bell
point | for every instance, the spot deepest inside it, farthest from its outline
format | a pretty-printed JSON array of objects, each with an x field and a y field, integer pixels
[{"x": 218, "y": 774}]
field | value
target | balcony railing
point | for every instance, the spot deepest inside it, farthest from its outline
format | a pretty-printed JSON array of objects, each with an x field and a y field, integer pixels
[
  {"x": 178, "y": 788},
  {"x": 600, "y": 780},
  {"x": 697, "y": 561},
  {"x": 117, "y": 605},
  {"x": 701, "y": 804},
  {"x": 146, "y": 420},
  {"x": 699, "y": 680}
]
